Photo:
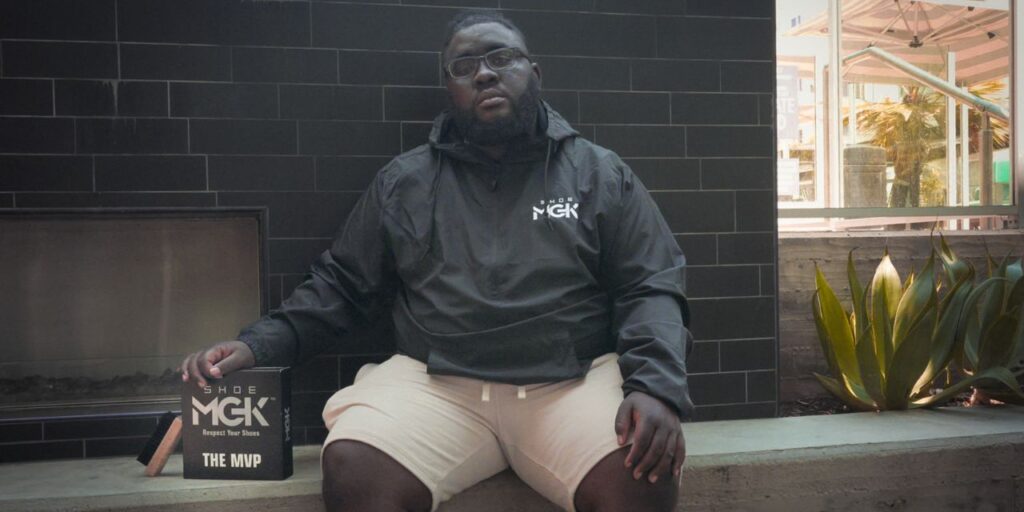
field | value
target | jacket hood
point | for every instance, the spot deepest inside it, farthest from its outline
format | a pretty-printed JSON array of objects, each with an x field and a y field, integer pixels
[{"x": 445, "y": 138}]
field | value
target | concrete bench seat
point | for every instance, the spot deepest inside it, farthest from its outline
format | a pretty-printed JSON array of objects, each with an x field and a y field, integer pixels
[{"x": 946, "y": 459}]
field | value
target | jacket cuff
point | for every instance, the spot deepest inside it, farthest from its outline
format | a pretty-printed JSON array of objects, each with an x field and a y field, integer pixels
[{"x": 679, "y": 401}]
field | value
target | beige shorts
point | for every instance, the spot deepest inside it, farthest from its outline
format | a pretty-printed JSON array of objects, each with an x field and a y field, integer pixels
[{"x": 452, "y": 432}]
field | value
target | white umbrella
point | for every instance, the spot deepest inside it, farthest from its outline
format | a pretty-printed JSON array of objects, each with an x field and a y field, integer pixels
[{"x": 922, "y": 33}]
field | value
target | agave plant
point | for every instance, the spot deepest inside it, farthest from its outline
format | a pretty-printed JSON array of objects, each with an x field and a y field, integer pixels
[
  {"x": 899, "y": 337},
  {"x": 993, "y": 331}
]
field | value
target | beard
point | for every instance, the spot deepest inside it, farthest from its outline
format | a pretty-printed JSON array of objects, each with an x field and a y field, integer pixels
[{"x": 520, "y": 122}]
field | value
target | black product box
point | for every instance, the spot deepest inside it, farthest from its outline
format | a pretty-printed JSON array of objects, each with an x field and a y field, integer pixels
[{"x": 238, "y": 427}]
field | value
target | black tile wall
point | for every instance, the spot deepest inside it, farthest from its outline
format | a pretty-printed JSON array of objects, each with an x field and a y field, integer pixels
[
  {"x": 294, "y": 256},
  {"x": 229, "y": 22},
  {"x": 740, "y": 355},
  {"x": 624, "y": 108},
  {"x": 131, "y": 135},
  {"x": 634, "y": 140},
  {"x": 718, "y": 388},
  {"x": 745, "y": 411},
  {"x": 279, "y": 65},
  {"x": 66, "y": 60},
  {"x": 144, "y": 99},
  {"x": 45, "y": 173},
  {"x": 667, "y": 173},
  {"x": 26, "y": 97},
  {"x": 584, "y": 74},
  {"x": 331, "y": 102},
  {"x": 37, "y": 135},
  {"x": 716, "y": 38},
  {"x": 175, "y": 62},
  {"x": 740, "y": 8},
  {"x": 220, "y": 136},
  {"x": 393, "y": 68},
  {"x": 748, "y": 76},
  {"x": 57, "y": 19},
  {"x": 261, "y": 173},
  {"x": 738, "y": 174},
  {"x": 675, "y": 75},
  {"x": 699, "y": 249},
  {"x": 296, "y": 105},
  {"x": 723, "y": 281},
  {"x": 690, "y": 108},
  {"x": 223, "y": 100},
  {"x": 347, "y": 172},
  {"x": 349, "y": 138},
  {"x": 414, "y": 103},
  {"x": 84, "y": 98},
  {"x": 141, "y": 173},
  {"x": 704, "y": 358},
  {"x": 761, "y": 386},
  {"x": 549, "y": 5}
]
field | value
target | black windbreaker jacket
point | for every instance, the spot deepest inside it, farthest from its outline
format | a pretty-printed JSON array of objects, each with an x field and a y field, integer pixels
[{"x": 518, "y": 271}]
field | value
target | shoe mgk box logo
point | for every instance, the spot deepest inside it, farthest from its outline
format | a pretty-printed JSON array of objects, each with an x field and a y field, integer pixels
[{"x": 238, "y": 427}]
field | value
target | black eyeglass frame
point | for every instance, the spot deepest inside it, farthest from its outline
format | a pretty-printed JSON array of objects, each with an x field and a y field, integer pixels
[{"x": 517, "y": 52}]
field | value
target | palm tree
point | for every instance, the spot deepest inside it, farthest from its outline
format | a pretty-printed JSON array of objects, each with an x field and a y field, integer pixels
[{"x": 912, "y": 131}]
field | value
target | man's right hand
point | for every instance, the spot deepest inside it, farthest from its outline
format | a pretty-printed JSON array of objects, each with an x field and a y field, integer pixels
[{"x": 216, "y": 362}]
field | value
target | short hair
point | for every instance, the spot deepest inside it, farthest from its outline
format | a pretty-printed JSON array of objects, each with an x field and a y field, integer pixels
[{"x": 468, "y": 18}]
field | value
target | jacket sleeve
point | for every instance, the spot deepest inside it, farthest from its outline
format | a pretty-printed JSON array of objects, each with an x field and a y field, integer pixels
[
  {"x": 643, "y": 270},
  {"x": 345, "y": 288}
]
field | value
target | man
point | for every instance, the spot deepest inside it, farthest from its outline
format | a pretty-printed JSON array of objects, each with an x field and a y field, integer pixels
[{"x": 537, "y": 299}]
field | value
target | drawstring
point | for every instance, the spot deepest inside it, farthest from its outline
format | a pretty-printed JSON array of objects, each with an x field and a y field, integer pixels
[
  {"x": 485, "y": 393},
  {"x": 547, "y": 162}
]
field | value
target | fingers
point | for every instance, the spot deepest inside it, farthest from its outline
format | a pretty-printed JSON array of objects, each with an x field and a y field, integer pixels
[
  {"x": 680, "y": 454},
  {"x": 236, "y": 358},
  {"x": 642, "y": 437},
  {"x": 216, "y": 362},
  {"x": 665, "y": 462},
  {"x": 192, "y": 367},
  {"x": 653, "y": 455},
  {"x": 623, "y": 421}
]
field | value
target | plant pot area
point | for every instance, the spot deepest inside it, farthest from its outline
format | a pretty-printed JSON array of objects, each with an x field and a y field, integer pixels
[{"x": 885, "y": 320}]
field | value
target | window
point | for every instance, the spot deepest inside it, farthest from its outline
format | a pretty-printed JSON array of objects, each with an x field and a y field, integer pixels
[{"x": 913, "y": 128}]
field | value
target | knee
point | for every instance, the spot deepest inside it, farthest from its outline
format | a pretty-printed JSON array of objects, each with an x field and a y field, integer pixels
[
  {"x": 610, "y": 487},
  {"x": 340, "y": 477},
  {"x": 357, "y": 476}
]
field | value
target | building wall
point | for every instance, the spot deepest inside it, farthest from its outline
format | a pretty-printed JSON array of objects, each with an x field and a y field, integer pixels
[{"x": 294, "y": 105}]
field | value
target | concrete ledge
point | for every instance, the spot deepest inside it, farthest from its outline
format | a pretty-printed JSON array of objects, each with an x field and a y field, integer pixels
[{"x": 947, "y": 459}]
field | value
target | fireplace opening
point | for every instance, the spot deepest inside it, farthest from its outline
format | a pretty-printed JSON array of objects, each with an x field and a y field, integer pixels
[{"x": 98, "y": 307}]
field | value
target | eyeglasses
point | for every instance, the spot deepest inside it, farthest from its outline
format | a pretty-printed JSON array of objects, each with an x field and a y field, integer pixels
[{"x": 497, "y": 60}]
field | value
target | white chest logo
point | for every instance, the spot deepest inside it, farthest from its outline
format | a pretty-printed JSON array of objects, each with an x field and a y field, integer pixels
[{"x": 561, "y": 208}]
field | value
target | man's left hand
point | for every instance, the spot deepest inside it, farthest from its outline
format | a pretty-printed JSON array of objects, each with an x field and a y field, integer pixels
[{"x": 658, "y": 443}]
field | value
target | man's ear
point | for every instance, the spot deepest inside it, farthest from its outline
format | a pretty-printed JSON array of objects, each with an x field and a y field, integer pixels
[{"x": 536, "y": 71}]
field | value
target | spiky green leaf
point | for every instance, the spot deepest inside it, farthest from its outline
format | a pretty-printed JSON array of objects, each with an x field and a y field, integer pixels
[
  {"x": 914, "y": 303},
  {"x": 998, "y": 342},
  {"x": 884, "y": 297},
  {"x": 944, "y": 338},
  {"x": 912, "y": 356},
  {"x": 841, "y": 392},
  {"x": 836, "y": 324}
]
